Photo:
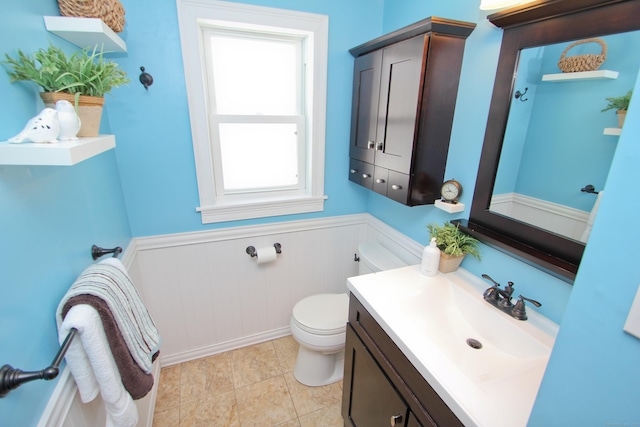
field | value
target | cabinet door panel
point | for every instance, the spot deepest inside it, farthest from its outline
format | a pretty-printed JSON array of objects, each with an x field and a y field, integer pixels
[
  {"x": 398, "y": 105},
  {"x": 366, "y": 90},
  {"x": 373, "y": 400}
]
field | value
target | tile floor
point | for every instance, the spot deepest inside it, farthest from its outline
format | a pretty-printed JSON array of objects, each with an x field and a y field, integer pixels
[{"x": 250, "y": 386}]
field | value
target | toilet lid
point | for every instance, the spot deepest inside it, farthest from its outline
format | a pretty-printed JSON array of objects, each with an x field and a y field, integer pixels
[{"x": 322, "y": 314}]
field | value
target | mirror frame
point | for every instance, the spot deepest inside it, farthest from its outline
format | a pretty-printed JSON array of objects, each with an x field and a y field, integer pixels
[{"x": 535, "y": 24}]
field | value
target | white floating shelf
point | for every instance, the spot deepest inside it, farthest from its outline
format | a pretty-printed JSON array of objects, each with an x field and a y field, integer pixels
[
  {"x": 449, "y": 207},
  {"x": 85, "y": 32},
  {"x": 581, "y": 75},
  {"x": 66, "y": 153},
  {"x": 612, "y": 131}
]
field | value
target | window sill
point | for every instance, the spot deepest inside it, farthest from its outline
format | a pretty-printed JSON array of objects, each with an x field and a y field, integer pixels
[{"x": 250, "y": 210}]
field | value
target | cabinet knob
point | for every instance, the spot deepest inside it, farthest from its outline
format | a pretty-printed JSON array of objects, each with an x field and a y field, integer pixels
[
  {"x": 371, "y": 144},
  {"x": 366, "y": 175},
  {"x": 380, "y": 146},
  {"x": 354, "y": 171},
  {"x": 396, "y": 187},
  {"x": 396, "y": 420},
  {"x": 380, "y": 181}
]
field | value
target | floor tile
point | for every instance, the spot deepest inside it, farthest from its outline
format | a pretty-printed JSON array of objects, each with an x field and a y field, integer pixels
[
  {"x": 310, "y": 399},
  {"x": 169, "y": 389},
  {"x": 287, "y": 352},
  {"x": 326, "y": 417},
  {"x": 168, "y": 418},
  {"x": 254, "y": 363},
  {"x": 250, "y": 386},
  {"x": 266, "y": 403},
  {"x": 212, "y": 411}
]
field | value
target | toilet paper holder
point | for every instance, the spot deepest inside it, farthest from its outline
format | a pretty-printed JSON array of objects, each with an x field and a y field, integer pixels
[{"x": 251, "y": 250}]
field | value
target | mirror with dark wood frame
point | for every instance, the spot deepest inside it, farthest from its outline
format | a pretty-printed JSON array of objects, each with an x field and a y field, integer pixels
[{"x": 536, "y": 24}]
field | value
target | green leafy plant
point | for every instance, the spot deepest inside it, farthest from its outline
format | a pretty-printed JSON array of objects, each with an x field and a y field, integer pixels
[
  {"x": 85, "y": 72},
  {"x": 619, "y": 103},
  {"x": 452, "y": 241}
]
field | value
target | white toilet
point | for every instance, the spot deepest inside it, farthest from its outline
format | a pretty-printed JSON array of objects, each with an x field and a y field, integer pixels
[{"x": 318, "y": 323}]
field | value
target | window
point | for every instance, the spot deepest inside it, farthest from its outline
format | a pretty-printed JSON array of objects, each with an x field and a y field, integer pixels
[{"x": 256, "y": 84}]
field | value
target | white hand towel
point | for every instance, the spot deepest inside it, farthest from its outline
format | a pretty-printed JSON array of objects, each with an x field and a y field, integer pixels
[{"x": 92, "y": 365}]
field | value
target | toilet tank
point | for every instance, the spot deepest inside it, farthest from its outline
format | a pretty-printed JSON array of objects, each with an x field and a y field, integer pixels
[{"x": 374, "y": 257}]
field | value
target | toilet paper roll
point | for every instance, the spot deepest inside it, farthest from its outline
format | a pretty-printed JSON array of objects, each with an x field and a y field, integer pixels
[{"x": 266, "y": 255}]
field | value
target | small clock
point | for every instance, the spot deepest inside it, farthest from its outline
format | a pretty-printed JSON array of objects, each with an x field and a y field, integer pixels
[{"x": 450, "y": 191}]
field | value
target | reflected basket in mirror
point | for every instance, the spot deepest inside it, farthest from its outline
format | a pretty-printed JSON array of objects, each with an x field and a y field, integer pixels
[
  {"x": 585, "y": 62},
  {"x": 110, "y": 11}
]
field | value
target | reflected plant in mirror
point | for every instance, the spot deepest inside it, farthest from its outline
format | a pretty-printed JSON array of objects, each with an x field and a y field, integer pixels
[{"x": 554, "y": 144}]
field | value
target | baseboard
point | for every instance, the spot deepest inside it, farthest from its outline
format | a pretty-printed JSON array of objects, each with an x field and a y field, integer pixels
[{"x": 223, "y": 347}]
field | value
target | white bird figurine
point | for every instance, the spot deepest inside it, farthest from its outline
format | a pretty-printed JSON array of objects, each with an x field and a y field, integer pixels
[
  {"x": 69, "y": 121},
  {"x": 42, "y": 128}
]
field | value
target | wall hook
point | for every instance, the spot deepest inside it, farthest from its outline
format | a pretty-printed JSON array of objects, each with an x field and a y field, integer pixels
[
  {"x": 520, "y": 95},
  {"x": 146, "y": 79},
  {"x": 589, "y": 189}
]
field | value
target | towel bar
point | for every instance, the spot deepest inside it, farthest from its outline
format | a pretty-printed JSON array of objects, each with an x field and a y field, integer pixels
[
  {"x": 97, "y": 252},
  {"x": 11, "y": 378}
]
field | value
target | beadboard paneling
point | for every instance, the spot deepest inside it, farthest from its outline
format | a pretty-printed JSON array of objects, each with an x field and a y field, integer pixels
[{"x": 208, "y": 295}]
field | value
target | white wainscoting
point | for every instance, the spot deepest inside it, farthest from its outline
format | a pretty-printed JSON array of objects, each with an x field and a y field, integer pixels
[
  {"x": 207, "y": 295},
  {"x": 557, "y": 218}
]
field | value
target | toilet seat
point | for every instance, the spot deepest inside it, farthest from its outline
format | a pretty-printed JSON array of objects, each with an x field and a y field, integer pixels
[{"x": 322, "y": 314}]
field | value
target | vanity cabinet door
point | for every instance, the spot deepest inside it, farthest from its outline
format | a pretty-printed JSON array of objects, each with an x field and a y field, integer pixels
[{"x": 373, "y": 401}]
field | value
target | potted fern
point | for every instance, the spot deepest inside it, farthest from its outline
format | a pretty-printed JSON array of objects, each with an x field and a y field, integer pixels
[
  {"x": 621, "y": 105},
  {"x": 82, "y": 79},
  {"x": 453, "y": 244}
]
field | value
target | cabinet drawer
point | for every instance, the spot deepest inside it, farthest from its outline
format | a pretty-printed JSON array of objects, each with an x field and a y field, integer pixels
[
  {"x": 380, "y": 179},
  {"x": 398, "y": 186},
  {"x": 425, "y": 404},
  {"x": 361, "y": 173}
]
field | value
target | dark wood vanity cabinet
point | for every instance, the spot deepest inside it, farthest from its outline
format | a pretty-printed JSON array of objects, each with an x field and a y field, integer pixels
[
  {"x": 381, "y": 387},
  {"x": 404, "y": 94}
]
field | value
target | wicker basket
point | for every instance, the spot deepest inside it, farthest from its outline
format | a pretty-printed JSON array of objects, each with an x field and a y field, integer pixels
[
  {"x": 587, "y": 62},
  {"x": 110, "y": 11}
]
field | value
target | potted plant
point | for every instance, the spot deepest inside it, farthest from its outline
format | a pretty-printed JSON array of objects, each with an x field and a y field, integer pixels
[
  {"x": 82, "y": 79},
  {"x": 621, "y": 105},
  {"x": 453, "y": 244}
]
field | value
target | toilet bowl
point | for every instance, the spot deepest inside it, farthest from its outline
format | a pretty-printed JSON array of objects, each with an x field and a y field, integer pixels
[{"x": 318, "y": 323}]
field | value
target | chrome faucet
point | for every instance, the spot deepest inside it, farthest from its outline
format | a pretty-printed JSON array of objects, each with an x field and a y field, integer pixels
[{"x": 501, "y": 299}]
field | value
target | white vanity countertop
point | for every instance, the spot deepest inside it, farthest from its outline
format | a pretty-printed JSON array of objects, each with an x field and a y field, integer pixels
[{"x": 495, "y": 386}]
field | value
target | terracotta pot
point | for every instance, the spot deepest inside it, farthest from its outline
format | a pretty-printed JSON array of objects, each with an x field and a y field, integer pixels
[
  {"x": 621, "y": 116},
  {"x": 449, "y": 263},
  {"x": 89, "y": 110}
]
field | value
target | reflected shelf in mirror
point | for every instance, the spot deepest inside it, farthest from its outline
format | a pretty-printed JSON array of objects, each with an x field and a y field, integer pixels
[{"x": 528, "y": 31}]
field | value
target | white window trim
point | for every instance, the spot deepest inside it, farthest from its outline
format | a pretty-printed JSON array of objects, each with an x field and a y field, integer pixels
[{"x": 191, "y": 15}]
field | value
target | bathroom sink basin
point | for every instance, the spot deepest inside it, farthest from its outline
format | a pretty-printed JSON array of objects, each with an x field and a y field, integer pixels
[
  {"x": 484, "y": 343},
  {"x": 474, "y": 355}
]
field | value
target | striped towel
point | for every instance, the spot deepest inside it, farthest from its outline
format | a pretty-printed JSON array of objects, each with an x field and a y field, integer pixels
[{"x": 109, "y": 281}]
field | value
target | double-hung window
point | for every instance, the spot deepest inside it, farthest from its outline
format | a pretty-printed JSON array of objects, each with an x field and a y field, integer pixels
[{"x": 256, "y": 83}]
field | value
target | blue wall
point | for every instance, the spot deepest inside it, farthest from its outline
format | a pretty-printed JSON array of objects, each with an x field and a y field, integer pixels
[
  {"x": 49, "y": 218},
  {"x": 147, "y": 185}
]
